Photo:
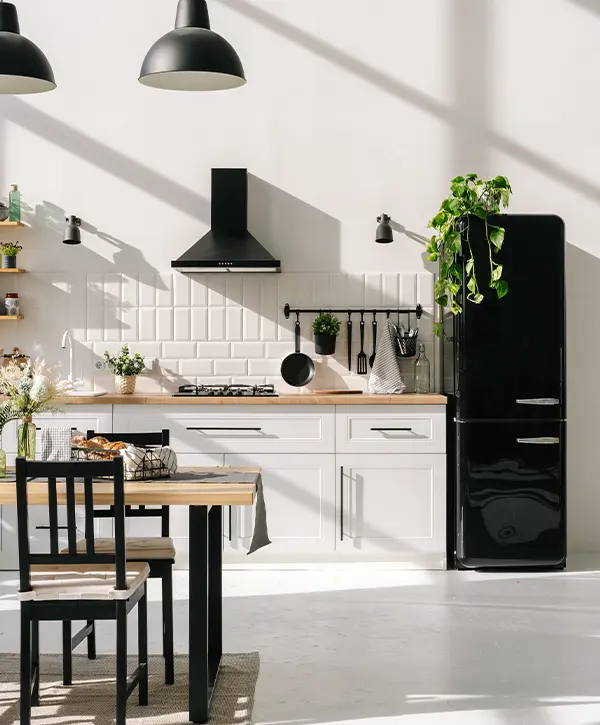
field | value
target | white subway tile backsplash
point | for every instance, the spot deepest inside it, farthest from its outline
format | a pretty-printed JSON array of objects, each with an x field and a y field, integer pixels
[
  {"x": 164, "y": 323},
  {"x": 179, "y": 349},
  {"x": 196, "y": 367},
  {"x": 248, "y": 350},
  {"x": 214, "y": 328},
  {"x": 182, "y": 318},
  {"x": 214, "y": 350},
  {"x": 216, "y": 323},
  {"x": 231, "y": 367}
]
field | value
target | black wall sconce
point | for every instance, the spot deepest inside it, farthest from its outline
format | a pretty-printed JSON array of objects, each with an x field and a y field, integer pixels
[
  {"x": 72, "y": 230},
  {"x": 384, "y": 234}
]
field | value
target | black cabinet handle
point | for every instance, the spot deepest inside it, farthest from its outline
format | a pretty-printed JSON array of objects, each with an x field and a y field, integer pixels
[
  {"x": 230, "y": 520},
  {"x": 341, "y": 503},
  {"x": 206, "y": 428},
  {"x": 48, "y": 528},
  {"x": 383, "y": 430}
]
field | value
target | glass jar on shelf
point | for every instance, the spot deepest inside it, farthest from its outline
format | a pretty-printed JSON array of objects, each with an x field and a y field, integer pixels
[
  {"x": 422, "y": 372},
  {"x": 26, "y": 438}
]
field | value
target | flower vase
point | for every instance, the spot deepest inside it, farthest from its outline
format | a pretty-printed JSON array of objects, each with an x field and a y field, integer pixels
[
  {"x": 2, "y": 459},
  {"x": 125, "y": 384},
  {"x": 26, "y": 439}
]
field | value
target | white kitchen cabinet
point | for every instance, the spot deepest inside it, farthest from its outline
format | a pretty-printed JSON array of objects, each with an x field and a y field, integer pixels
[
  {"x": 390, "y": 429},
  {"x": 248, "y": 429},
  {"x": 300, "y": 498},
  {"x": 82, "y": 417},
  {"x": 392, "y": 508}
]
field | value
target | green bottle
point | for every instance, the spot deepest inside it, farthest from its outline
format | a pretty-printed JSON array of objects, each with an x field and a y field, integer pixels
[{"x": 14, "y": 204}]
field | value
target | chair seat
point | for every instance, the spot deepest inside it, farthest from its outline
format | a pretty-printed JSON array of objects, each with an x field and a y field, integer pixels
[
  {"x": 68, "y": 581},
  {"x": 138, "y": 548}
]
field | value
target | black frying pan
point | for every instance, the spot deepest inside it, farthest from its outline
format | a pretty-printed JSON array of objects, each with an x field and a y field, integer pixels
[{"x": 297, "y": 369}]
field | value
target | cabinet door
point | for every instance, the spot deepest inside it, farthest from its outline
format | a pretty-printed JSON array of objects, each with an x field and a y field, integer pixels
[
  {"x": 392, "y": 507},
  {"x": 300, "y": 499},
  {"x": 82, "y": 417}
]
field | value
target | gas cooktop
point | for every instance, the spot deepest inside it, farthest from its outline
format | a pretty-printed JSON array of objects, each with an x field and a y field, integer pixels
[{"x": 226, "y": 391}]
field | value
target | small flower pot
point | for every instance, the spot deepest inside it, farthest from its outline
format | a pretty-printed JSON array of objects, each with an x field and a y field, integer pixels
[
  {"x": 325, "y": 344},
  {"x": 9, "y": 262},
  {"x": 125, "y": 385}
]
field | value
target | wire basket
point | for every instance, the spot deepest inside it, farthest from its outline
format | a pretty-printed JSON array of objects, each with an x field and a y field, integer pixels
[
  {"x": 406, "y": 346},
  {"x": 150, "y": 464}
]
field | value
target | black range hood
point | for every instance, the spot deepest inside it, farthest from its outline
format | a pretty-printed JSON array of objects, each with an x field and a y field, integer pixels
[{"x": 228, "y": 246}]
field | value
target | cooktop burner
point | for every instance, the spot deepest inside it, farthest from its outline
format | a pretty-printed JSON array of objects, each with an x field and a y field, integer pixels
[{"x": 226, "y": 391}]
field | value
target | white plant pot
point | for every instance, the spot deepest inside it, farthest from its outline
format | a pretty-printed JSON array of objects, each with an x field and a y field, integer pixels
[{"x": 125, "y": 385}]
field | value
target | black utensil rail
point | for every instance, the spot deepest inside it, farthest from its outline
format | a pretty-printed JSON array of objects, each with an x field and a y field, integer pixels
[{"x": 288, "y": 310}]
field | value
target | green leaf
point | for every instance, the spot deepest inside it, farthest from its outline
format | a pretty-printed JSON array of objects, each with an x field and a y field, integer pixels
[
  {"x": 497, "y": 237},
  {"x": 496, "y": 273},
  {"x": 456, "y": 309},
  {"x": 470, "y": 265},
  {"x": 458, "y": 179},
  {"x": 433, "y": 257},
  {"x": 453, "y": 288},
  {"x": 456, "y": 271},
  {"x": 472, "y": 284},
  {"x": 437, "y": 329},
  {"x": 480, "y": 212},
  {"x": 442, "y": 300},
  {"x": 501, "y": 288},
  {"x": 471, "y": 177},
  {"x": 505, "y": 197},
  {"x": 478, "y": 298}
]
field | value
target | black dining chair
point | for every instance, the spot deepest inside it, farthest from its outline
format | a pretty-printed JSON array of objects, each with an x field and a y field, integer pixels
[
  {"x": 77, "y": 585},
  {"x": 158, "y": 552}
]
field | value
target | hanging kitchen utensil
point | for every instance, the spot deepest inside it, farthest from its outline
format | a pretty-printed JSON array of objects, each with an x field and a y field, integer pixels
[
  {"x": 361, "y": 360},
  {"x": 349, "y": 328},
  {"x": 297, "y": 369},
  {"x": 372, "y": 358}
]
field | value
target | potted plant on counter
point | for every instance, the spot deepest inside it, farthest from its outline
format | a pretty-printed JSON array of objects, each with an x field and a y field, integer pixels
[
  {"x": 125, "y": 367},
  {"x": 326, "y": 328},
  {"x": 9, "y": 254}
]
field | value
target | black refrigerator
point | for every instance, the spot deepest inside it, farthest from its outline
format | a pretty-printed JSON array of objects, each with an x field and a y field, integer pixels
[{"x": 504, "y": 372}]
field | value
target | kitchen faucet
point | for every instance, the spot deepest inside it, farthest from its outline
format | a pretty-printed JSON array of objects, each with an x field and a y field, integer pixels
[{"x": 67, "y": 338}]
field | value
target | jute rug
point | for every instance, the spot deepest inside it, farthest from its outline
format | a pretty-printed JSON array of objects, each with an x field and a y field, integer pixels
[{"x": 91, "y": 700}]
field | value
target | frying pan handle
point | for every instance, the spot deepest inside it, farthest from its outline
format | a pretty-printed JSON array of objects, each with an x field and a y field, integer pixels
[{"x": 297, "y": 334}]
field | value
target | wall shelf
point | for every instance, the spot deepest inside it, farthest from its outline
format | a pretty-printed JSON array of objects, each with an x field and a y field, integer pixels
[
  {"x": 15, "y": 270},
  {"x": 11, "y": 224},
  {"x": 11, "y": 318}
]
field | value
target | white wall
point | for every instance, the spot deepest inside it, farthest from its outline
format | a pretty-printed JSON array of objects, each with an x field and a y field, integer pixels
[{"x": 351, "y": 109}]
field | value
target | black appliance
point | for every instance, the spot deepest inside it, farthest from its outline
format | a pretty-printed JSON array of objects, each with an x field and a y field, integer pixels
[
  {"x": 226, "y": 391},
  {"x": 504, "y": 371},
  {"x": 228, "y": 246}
]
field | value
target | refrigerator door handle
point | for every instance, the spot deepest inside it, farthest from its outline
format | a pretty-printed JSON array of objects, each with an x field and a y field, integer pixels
[
  {"x": 541, "y": 441},
  {"x": 538, "y": 401}
]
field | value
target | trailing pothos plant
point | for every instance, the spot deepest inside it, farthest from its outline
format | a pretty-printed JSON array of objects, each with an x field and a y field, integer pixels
[{"x": 469, "y": 197}]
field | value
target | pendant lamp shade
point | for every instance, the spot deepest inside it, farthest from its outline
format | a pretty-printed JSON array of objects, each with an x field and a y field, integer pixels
[
  {"x": 384, "y": 234},
  {"x": 192, "y": 57},
  {"x": 23, "y": 66},
  {"x": 72, "y": 233}
]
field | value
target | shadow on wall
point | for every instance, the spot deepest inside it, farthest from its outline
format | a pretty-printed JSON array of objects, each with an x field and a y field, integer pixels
[
  {"x": 583, "y": 399},
  {"x": 592, "y": 5},
  {"x": 306, "y": 239}
]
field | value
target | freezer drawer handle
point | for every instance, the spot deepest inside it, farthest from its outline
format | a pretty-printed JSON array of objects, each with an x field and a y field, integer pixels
[
  {"x": 238, "y": 429},
  {"x": 541, "y": 441},
  {"x": 383, "y": 430},
  {"x": 538, "y": 401}
]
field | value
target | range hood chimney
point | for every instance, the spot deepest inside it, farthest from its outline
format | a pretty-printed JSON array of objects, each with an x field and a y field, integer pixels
[{"x": 228, "y": 246}]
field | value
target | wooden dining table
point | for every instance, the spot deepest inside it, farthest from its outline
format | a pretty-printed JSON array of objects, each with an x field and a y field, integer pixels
[{"x": 205, "y": 491}]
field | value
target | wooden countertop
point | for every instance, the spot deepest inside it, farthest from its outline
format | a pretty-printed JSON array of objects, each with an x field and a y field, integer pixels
[
  {"x": 188, "y": 487},
  {"x": 291, "y": 399}
]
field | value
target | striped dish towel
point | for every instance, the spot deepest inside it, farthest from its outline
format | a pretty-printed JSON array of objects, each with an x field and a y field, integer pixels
[
  {"x": 385, "y": 378},
  {"x": 56, "y": 444}
]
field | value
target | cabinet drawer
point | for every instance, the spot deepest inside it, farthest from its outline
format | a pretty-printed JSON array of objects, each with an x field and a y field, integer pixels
[
  {"x": 391, "y": 429},
  {"x": 252, "y": 429}
]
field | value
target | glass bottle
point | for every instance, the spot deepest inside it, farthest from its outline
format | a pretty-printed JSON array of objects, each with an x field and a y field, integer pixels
[
  {"x": 2, "y": 459},
  {"x": 26, "y": 438},
  {"x": 422, "y": 372},
  {"x": 14, "y": 204}
]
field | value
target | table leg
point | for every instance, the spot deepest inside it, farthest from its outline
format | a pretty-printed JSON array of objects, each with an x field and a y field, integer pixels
[
  {"x": 215, "y": 591},
  {"x": 198, "y": 625}
]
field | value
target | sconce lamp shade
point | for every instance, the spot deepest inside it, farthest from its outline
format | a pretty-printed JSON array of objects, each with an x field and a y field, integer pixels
[
  {"x": 192, "y": 57},
  {"x": 384, "y": 234},
  {"x": 72, "y": 231},
  {"x": 23, "y": 67}
]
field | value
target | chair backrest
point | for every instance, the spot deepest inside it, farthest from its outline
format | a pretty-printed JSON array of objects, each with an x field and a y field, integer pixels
[
  {"x": 69, "y": 494},
  {"x": 160, "y": 438}
]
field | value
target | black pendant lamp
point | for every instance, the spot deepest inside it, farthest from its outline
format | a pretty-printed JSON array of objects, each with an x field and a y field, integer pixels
[
  {"x": 192, "y": 57},
  {"x": 23, "y": 66},
  {"x": 72, "y": 231},
  {"x": 384, "y": 234}
]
